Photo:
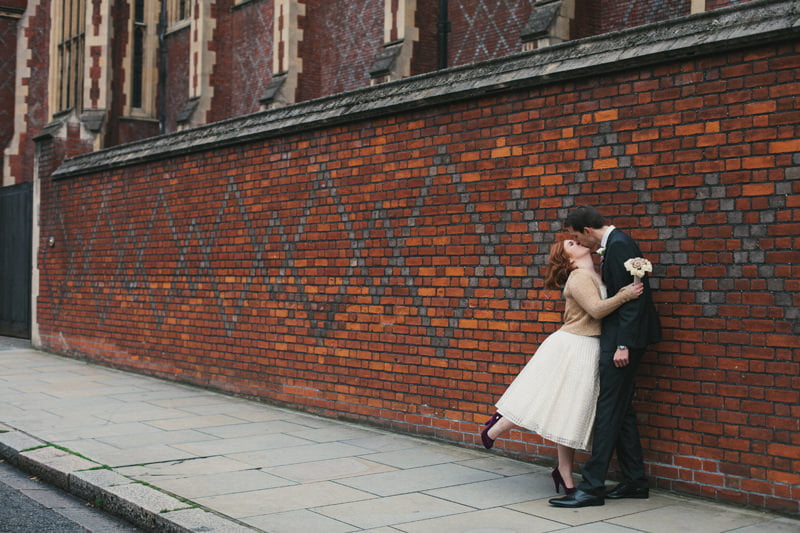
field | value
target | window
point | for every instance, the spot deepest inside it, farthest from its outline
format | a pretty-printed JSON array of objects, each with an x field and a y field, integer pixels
[
  {"x": 69, "y": 27},
  {"x": 137, "y": 66},
  {"x": 142, "y": 59},
  {"x": 177, "y": 11}
]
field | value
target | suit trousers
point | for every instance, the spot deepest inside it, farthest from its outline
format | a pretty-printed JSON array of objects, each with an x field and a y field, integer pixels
[{"x": 615, "y": 426}]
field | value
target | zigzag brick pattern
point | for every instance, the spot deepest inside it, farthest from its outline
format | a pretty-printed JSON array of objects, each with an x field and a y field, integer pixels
[{"x": 390, "y": 269}]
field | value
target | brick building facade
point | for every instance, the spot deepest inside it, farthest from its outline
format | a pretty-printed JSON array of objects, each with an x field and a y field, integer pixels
[
  {"x": 376, "y": 253},
  {"x": 98, "y": 66}
]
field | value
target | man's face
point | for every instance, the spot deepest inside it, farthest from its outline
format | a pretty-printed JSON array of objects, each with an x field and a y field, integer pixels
[{"x": 586, "y": 237}]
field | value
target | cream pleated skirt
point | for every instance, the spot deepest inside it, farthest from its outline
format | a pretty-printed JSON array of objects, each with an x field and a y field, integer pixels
[{"x": 555, "y": 395}]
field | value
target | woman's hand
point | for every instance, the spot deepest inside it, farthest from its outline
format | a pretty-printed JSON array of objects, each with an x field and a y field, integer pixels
[{"x": 632, "y": 291}]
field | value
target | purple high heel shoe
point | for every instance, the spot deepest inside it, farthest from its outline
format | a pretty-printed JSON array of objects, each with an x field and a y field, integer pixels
[
  {"x": 558, "y": 480},
  {"x": 489, "y": 442}
]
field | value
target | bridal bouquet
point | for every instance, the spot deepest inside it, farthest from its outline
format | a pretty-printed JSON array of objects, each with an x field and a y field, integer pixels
[{"x": 638, "y": 266}]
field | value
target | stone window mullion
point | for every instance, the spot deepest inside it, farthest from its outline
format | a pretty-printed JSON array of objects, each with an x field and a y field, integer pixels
[{"x": 70, "y": 40}]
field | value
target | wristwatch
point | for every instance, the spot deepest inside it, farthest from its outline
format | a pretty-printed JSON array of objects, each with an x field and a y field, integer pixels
[{"x": 622, "y": 347}]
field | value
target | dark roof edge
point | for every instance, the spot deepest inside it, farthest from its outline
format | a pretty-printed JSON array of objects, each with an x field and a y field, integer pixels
[{"x": 750, "y": 24}]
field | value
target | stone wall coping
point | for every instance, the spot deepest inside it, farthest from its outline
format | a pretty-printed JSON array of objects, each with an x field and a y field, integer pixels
[{"x": 746, "y": 25}]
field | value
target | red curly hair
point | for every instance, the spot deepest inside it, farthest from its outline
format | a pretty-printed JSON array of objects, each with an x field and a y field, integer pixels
[{"x": 558, "y": 266}]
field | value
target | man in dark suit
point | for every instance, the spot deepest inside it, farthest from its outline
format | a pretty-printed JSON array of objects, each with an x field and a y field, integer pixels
[{"x": 626, "y": 332}]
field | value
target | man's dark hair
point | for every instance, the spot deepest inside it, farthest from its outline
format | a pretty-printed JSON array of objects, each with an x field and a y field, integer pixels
[{"x": 584, "y": 216}]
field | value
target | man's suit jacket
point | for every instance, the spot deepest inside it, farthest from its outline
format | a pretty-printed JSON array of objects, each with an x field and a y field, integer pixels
[{"x": 636, "y": 323}]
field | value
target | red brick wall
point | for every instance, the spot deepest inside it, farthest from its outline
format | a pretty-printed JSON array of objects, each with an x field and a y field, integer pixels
[
  {"x": 594, "y": 17},
  {"x": 425, "y": 56},
  {"x": 483, "y": 29},
  {"x": 177, "y": 82},
  {"x": 389, "y": 269},
  {"x": 620, "y": 15},
  {"x": 243, "y": 66},
  {"x": 341, "y": 39}
]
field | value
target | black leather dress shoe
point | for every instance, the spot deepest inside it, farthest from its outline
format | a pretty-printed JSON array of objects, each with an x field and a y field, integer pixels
[
  {"x": 578, "y": 498},
  {"x": 628, "y": 490}
]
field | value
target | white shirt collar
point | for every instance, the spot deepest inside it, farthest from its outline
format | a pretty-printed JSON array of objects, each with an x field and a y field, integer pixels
[{"x": 604, "y": 240}]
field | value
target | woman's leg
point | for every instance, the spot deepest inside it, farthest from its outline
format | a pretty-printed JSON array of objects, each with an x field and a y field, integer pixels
[
  {"x": 500, "y": 427},
  {"x": 566, "y": 456}
]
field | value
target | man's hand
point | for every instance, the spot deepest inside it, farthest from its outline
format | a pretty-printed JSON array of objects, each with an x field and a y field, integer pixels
[{"x": 621, "y": 358}]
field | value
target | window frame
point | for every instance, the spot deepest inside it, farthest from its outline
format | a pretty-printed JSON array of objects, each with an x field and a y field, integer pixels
[
  {"x": 142, "y": 64},
  {"x": 68, "y": 50}
]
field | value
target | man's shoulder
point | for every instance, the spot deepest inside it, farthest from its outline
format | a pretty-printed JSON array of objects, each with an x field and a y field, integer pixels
[{"x": 618, "y": 236}]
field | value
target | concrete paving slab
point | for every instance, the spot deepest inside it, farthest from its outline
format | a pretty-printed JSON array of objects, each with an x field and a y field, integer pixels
[
  {"x": 316, "y": 422},
  {"x": 772, "y": 525},
  {"x": 136, "y": 456},
  {"x": 201, "y": 520},
  {"x": 251, "y": 429},
  {"x": 293, "y": 498},
  {"x": 501, "y": 465},
  {"x": 252, "y": 412},
  {"x": 13, "y": 442},
  {"x": 241, "y": 445},
  {"x": 387, "y": 442},
  {"x": 94, "y": 428},
  {"x": 204, "y": 399},
  {"x": 141, "y": 412},
  {"x": 297, "y": 521},
  {"x": 334, "y": 433},
  {"x": 497, "y": 520},
  {"x": 417, "y": 479},
  {"x": 498, "y": 492},
  {"x": 185, "y": 468},
  {"x": 78, "y": 388},
  {"x": 689, "y": 517},
  {"x": 33, "y": 420},
  {"x": 87, "y": 447},
  {"x": 598, "y": 527},
  {"x": 393, "y": 510},
  {"x": 201, "y": 486},
  {"x": 155, "y": 436},
  {"x": 588, "y": 515},
  {"x": 154, "y": 391},
  {"x": 330, "y": 469},
  {"x": 298, "y": 454},
  {"x": 424, "y": 455},
  {"x": 187, "y": 421}
]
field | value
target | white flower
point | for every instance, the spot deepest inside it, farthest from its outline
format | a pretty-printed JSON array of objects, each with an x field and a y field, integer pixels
[
  {"x": 638, "y": 266},
  {"x": 601, "y": 251}
]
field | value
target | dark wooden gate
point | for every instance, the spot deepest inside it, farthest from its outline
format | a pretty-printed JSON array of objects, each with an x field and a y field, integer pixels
[{"x": 16, "y": 211}]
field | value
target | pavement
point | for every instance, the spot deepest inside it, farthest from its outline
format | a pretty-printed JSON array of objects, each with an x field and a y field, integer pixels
[{"x": 171, "y": 457}]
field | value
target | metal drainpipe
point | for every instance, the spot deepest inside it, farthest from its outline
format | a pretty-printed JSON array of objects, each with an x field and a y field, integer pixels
[
  {"x": 162, "y": 68},
  {"x": 443, "y": 28}
]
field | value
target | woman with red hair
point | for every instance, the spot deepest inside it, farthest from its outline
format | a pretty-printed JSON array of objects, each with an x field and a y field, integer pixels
[{"x": 555, "y": 394}]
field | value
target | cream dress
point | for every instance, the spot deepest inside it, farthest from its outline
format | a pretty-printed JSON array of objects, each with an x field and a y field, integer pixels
[{"x": 555, "y": 394}]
